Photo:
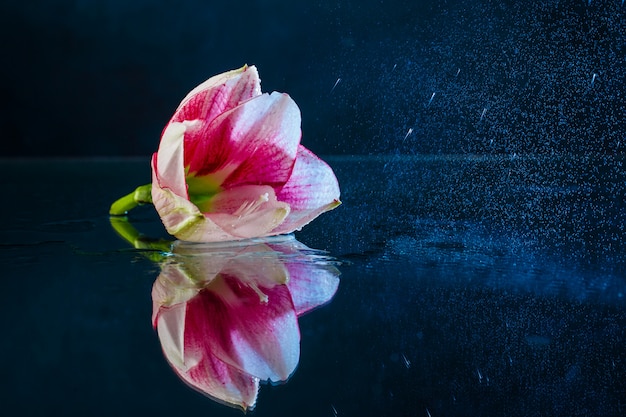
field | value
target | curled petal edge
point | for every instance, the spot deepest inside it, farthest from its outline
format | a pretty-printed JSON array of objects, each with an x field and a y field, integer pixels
[{"x": 248, "y": 91}]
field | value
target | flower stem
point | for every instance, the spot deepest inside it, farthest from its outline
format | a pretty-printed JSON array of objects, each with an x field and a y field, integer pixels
[
  {"x": 154, "y": 249},
  {"x": 141, "y": 195}
]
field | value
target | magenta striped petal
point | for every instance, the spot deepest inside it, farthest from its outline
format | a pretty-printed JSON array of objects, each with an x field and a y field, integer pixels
[
  {"x": 258, "y": 140},
  {"x": 311, "y": 190},
  {"x": 198, "y": 367},
  {"x": 218, "y": 94},
  {"x": 210, "y": 99},
  {"x": 265, "y": 134},
  {"x": 312, "y": 183},
  {"x": 223, "y": 383},
  {"x": 312, "y": 282},
  {"x": 240, "y": 328}
]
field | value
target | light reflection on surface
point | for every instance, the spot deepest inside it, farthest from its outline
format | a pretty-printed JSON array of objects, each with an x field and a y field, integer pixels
[{"x": 227, "y": 314}]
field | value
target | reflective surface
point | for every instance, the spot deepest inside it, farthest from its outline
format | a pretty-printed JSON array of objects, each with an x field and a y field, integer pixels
[
  {"x": 227, "y": 313},
  {"x": 469, "y": 286}
]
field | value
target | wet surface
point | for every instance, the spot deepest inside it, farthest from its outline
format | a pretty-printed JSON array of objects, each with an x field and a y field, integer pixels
[{"x": 469, "y": 286}]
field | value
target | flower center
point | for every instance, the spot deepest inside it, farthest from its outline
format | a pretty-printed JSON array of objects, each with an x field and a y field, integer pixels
[{"x": 201, "y": 190}]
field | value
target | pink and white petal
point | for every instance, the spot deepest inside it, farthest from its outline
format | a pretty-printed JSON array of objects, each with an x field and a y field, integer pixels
[
  {"x": 257, "y": 224},
  {"x": 201, "y": 263},
  {"x": 247, "y": 211},
  {"x": 223, "y": 383},
  {"x": 297, "y": 219},
  {"x": 312, "y": 280},
  {"x": 170, "y": 326},
  {"x": 253, "y": 262},
  {"x": 218, "y": 94},
  {"x": 267, "y": 339},
  {"x": 260, "y": 137},
  {"x": 311, "y": 190},
  {"x": 312, "y": 183},
  {"x": 311, "y": 285},
  {"x": 206, "y": 150},
  {"x": 258, "y": 335},
  {"x": 198, "y": 367},
  {"x": 176, "y": 212},
  {"x": 215, "y": 96},
  {"x": 183, "y": 220},
  {"x": 243, "y": 199},
  {"x": 167, "y": 163},
  {"x": 270, "y": 355}
]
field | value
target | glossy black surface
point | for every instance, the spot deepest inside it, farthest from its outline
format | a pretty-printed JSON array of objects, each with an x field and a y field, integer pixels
[{"x": 470, "y": 287}]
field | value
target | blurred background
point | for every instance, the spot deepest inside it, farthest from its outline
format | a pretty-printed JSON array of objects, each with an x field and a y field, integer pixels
[{"x": 101, "y": 78}]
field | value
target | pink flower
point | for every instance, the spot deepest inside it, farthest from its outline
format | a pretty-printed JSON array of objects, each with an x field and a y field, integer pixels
[
  {"x": 230, "y": 164},
  {"x": 227, "y": 316}
]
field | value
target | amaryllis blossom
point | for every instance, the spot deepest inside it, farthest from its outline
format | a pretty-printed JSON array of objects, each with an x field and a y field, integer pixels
[
  {"x": 230, "y": 164},
  {"x": 226, "y": 316}
]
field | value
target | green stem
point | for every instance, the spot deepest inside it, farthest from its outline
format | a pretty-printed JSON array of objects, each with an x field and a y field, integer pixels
[
  {"x": 125, "y": 230},
  {"x": 156, "y": 249},
  {"x": 141, "y": 195}
]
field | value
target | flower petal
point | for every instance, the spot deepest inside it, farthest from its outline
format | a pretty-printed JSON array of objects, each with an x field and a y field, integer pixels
[
  {"x": 248, "y": 211},
  {"x": 224, "y": 383},
  {"x": 254, "y": 143},
  {"x": 198, "y": 367},
  {"x": 167, "y": 163},
  {"x": 213, "y": 97},
  {"x": 173, "y": 286},
  {"x": 311, "y": 285},
  {"x": 218, "y": 94},
  {"x": 313, "y": 281},
  {"x": 311, "y": 190},
  {"x": 258, "y": 335}
]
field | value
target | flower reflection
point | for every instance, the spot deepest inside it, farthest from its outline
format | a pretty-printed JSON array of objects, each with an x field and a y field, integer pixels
[{"x": 227, "y": 316}]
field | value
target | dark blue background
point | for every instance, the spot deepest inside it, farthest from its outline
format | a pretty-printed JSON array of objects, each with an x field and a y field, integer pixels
[{"x": 103, "y": 77}]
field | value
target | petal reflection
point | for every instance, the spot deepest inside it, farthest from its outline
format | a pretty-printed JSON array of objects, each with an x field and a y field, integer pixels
[{"x": 227, "y": 315}]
